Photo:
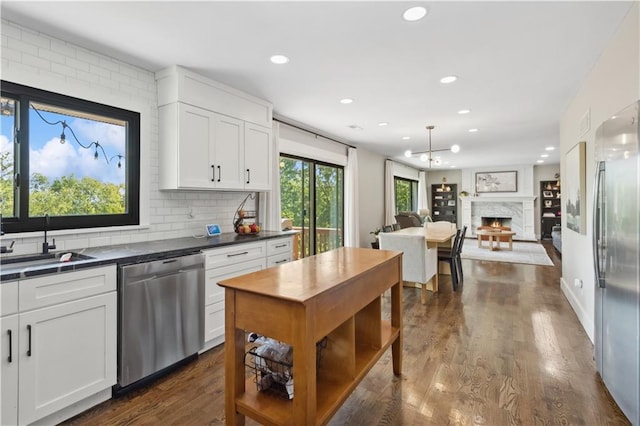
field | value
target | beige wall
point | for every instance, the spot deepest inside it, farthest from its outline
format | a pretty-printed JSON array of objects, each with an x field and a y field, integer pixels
[
  {"x": 370, "y": 194},
  {"x": 612, "y": 84}
]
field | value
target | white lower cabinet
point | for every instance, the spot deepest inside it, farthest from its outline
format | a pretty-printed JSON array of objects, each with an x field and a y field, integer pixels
[
  {"x": 9, "y": 370},
  {"x": 62, "y": 353},
  {"x": 230, "y": 262}
]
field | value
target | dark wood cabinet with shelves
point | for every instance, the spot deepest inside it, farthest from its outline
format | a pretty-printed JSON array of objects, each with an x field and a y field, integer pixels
[
  {"x": 444, "y": 202},
  {"x": 550, "y": 207}
]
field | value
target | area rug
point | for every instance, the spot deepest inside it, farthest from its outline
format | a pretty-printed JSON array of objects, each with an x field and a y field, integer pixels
[{"x": 530, "y": 253}]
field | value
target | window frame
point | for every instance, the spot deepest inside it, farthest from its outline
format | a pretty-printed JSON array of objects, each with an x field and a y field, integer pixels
[
  {"x": 413, "y": 193},
  {"x": 24, "y": 95}
]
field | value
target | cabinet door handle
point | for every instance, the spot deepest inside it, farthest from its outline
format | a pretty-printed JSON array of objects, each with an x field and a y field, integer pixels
[
  {"x": 248, "y": 175},
  {"x": 282, "y": 261},
  {"x": 219, "y": 173},
  {"x": 10, "y": 358},
  {"x": 29, "y": 348},
  {"x": 281, "y": 245},
  {"x": 238, "y": 254},
  {"x": 213, "y": 171}
]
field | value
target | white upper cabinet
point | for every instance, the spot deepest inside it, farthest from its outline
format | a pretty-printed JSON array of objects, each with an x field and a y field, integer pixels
[
  {"x": 258, "y": 154},
  {"x": 211, "y": 135},
  {"x": 228, "y": 152}
]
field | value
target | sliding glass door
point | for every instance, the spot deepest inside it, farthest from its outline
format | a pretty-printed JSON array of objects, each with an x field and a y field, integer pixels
[{"x": 312, "y": 197}]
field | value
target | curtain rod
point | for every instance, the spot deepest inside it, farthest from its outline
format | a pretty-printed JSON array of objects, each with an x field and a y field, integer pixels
[{"x": 315, "y": 133}]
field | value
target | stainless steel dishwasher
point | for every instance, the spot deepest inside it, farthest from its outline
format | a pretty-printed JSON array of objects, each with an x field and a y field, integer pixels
[{"x": 161, "y": 316}]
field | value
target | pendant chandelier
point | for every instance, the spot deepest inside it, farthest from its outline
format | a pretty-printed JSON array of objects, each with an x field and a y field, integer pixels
[{"x": 428, "y": 155}]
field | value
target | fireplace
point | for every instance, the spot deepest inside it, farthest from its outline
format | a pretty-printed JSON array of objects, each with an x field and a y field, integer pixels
[
  {"x": 518, "y": 211},
  {"x": 496, "y": 222}
]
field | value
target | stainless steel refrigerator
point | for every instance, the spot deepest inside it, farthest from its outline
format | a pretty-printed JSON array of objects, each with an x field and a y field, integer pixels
[{"x": 616, "y": 258}]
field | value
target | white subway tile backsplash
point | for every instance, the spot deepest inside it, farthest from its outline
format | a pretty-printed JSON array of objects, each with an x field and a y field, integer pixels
[
  {"x": 60, "y": 47},
  {"x": 120, "y": 239},
  {"x": 78, "y": 64},
  {"x": 28, "y": 48},
  {"x": 36, "y": 61},
  {"x": 88, "y": 57},
  {"x": 99, "y": 71},
  {"x": 36, "y": 39},
  {"x": 76, "y": 244},
  {"x": 11, "y": 31},
  {"x": 9, "y": 54},
  {"x": 99, "y": 241},
  {"x": 52, "y": 56},
  {"x": 64, "y": 70}
]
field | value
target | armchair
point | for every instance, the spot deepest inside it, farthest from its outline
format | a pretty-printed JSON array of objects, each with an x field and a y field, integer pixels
[{"x": 408, "y": 219}]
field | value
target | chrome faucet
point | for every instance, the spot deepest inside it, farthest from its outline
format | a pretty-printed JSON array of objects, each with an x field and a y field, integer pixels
[{"x": 46, "y": 246}]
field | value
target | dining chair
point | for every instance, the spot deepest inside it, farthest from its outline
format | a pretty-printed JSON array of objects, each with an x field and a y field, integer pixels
[
  {"x": 419, "y": 262},
  {"x": 387, "y": 228},
  {"x": 459, "y": 254},
  {"x": 449, "y": 255}
]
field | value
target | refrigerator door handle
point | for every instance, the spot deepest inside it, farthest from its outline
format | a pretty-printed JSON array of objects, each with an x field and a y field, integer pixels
[{"x": 598, "y": 229}]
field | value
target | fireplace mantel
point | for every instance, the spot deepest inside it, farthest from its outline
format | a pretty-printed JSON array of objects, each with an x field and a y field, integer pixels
[
  {"x": 524, "y": 212},
  {"x": 499, "y": 199}
]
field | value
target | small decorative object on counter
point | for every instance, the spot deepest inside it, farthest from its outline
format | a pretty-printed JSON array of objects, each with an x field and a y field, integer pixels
[{"x": 244, "y": 220}]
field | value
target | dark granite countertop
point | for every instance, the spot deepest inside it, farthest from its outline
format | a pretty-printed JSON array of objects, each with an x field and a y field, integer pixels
[{"x": 133, "y": 253}]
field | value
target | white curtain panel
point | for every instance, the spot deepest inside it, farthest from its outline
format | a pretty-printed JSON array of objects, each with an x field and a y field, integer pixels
[
  {"x": 269, "y": 214},
  {"x": 351, "y": 225},
  {"x": 423, "y": 201},
  {"x": 389, "y": 193}
]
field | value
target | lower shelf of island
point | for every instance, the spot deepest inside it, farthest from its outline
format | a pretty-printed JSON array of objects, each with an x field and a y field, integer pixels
[{"x": 331, "y": 392}]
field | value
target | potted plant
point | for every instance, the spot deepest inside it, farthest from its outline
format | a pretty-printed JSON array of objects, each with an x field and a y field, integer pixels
[{"x": 375, "y": 244}]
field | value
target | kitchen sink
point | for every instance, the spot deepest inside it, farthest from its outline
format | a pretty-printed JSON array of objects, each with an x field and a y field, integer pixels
[{"x": 43, "y": 259}]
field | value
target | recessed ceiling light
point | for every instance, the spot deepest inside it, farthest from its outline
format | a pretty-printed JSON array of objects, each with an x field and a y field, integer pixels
[
  {"x": 473, "y": 130},
  {"x": 544, "y": 155},
  {"x": 406, "y": 138},
  {"x": 550, "y": 148},
  {"x": 455, "y": 148},
  {"x": 383, "y": 123},
  {"x": 414, "y": 13},
  {"x": 448, "y": 79},
  {"x": 453, "y": 166},
  {"x": 279, "y": 59},
  {"x": 346, "y": 101},
  {"x": 540, "y": 161},
  {"x": 464, "y": 111},
  {"x": 424, "y": 157},
  {"x": 407, "y": 153}
]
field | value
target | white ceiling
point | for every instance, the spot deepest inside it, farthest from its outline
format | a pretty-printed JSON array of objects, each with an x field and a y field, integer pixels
[{"x": 519, "y": 64}]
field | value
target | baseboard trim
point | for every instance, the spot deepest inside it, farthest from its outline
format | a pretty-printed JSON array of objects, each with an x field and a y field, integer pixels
[{"x": 585, "y": 320}]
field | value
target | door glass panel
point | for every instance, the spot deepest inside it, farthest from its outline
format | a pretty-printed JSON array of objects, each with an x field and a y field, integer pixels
[
  {"x": 312, "y": 196},
  {"x": 294, "y": 195},
  {"x": 329, "y": 207}
]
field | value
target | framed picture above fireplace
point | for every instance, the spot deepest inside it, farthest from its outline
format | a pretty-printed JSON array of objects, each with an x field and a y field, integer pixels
[{"x": 497, "y": 181}]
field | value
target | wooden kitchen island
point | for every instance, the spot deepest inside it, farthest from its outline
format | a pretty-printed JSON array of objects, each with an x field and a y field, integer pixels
[{"x": 335, "y": 294}]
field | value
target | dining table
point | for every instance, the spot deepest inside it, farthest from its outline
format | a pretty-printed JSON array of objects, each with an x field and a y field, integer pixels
[{"x": 434, "y": 237}]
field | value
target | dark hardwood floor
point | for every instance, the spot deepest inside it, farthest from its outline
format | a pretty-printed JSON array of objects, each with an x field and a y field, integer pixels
[{"x": 505, "y": 349}]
